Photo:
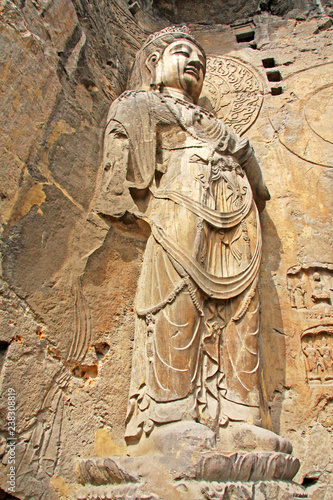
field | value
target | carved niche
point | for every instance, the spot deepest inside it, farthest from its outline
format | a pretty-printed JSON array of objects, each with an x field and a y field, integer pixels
[
  {"x": 317, "y": 349},
  {"x": 311, "y": 289}
]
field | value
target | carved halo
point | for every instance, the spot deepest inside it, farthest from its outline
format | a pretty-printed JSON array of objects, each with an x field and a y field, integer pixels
[{"x": 233, "y": 90}]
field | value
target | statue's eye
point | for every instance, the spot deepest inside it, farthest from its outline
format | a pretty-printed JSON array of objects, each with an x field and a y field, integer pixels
[{"x": 183, "y": 53}]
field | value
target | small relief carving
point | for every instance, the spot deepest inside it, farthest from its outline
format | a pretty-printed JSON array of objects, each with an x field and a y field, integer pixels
[
  {"x": 320, "y": 294},
  {"x": 317, "y": 348},
  {"x": 298, "y": 295},
  {"x": 311, "y": 288},
  {"x": 41, "y": 439},
  {"x": 234, "y": 91}
]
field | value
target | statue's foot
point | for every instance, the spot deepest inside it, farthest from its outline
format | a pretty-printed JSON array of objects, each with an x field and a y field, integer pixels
[
  {"x": 179, "y": 438},
  {"x": 188, "y": 438},
  {"x": 239, "y": 436}
]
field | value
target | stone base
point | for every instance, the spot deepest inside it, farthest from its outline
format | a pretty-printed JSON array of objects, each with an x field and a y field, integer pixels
[
  {"x": 199, "y": 490},
  {"x": 183, "y": 461},
  {"x": 262, "y": 490},
  {"x": 259, "y": 476}
]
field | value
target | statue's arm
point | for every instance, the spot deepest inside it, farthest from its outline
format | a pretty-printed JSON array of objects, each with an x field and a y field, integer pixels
[
  {"x": 245, "y": 154},
  {"x": 114, "y": 198},
  {"x": 254, "y": 174}
]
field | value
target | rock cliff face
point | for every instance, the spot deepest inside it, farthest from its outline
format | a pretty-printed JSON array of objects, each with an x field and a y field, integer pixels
[
  {"x": 230, "y": 11},
  {"x": 69, "y": 278}
]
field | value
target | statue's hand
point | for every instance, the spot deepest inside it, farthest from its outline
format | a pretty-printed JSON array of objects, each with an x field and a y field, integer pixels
[
  {"x": 131, "y": 217},
  {"x": 262, "y": 192},
  {"x": 261, "y": 196},
  {"x": 127, "y": 218}
]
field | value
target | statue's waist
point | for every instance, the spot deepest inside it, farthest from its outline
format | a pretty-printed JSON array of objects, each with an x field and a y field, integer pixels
[
  {"x": 220, "y": 287},
  {"x": 213, "y": 217}
]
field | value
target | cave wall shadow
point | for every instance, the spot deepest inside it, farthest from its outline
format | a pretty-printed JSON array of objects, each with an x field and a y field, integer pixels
[{"x": 273, "y": 340}]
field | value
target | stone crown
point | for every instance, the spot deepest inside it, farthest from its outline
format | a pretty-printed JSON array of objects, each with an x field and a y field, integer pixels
[{"x": 172, "y": 30}]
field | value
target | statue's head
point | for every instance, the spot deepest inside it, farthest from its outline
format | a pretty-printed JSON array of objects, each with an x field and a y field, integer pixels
[{"x": 170, "y": 58}]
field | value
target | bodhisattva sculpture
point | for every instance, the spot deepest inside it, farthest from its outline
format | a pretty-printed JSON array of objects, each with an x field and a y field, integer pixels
[{"x": 200, "y": 188}]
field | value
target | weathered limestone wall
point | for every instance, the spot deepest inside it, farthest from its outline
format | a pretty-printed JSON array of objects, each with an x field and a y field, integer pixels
[
  {"x": 68, "y": 283},
  {"x": 61, "y": 66}
]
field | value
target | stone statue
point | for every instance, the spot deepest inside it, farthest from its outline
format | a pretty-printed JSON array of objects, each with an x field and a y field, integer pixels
[
  {"x": 193, "y": 426},
  {"x": 325, "y": 352},
  {"x": 200, "y": 188},
  {"x": 311, "y": 360}
]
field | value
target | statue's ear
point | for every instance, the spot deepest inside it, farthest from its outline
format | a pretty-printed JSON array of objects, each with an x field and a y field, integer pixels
[{"x": 151, "y": 63}]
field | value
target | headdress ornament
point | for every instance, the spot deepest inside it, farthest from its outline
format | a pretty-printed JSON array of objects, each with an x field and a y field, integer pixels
[{"x": 178, "y": 31}]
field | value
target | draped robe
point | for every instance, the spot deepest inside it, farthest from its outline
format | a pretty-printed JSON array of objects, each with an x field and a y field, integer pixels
[{"x": 196, "y": 341}]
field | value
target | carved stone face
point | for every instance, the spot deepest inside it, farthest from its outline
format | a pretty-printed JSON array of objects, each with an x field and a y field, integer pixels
[{"x": 182, "y": 67}]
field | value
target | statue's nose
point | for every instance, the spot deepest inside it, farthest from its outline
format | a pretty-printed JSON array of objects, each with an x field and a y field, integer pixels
[
  {"x": 196, "y": 60},
  {"x": 196, "y": 63}
]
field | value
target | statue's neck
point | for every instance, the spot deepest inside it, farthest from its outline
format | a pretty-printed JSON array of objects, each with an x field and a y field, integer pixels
[{"x": 177, "y": 94}]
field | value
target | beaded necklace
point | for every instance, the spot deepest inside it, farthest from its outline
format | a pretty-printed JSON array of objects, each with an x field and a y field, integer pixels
[{"x": 217, "y": 145}]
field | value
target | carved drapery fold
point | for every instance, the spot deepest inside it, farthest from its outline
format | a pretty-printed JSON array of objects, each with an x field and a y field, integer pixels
[{"x": 196, "y": 343}]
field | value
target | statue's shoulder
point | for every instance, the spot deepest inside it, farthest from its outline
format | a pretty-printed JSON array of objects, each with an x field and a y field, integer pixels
[{"x": 129, "y": 103}]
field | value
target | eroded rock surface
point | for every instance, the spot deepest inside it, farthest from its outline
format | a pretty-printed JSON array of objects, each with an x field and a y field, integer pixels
[{"x": 69, "y": 278}]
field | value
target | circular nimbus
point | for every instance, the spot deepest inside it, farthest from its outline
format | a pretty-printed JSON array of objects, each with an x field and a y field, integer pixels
[
  {"x": 233, "y": 91},
  {"x": 318, "y": 112}
]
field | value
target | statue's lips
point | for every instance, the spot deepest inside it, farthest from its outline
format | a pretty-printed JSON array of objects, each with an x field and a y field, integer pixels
[{"x": 192, "y": 71}]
